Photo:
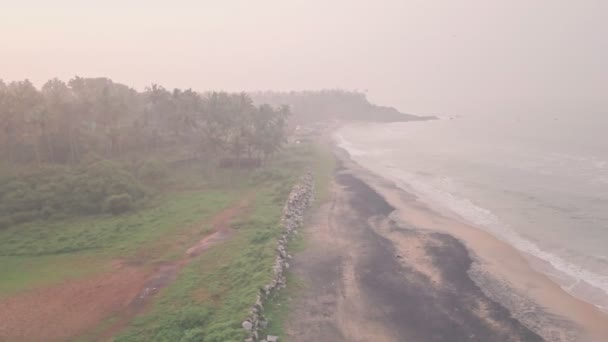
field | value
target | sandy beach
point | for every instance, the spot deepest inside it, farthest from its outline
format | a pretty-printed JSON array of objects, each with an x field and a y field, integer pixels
[{"x": 383, "y": 266}]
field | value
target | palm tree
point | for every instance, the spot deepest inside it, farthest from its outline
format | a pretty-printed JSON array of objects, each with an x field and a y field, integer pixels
[
  {"x": 22, "y": 102},
  {"x": 59, "y": 105}
]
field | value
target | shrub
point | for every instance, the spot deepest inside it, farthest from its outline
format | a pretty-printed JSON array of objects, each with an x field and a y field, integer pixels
[
  {"x": 90, "y": 186},
  {"x": 152, "y": 170},
  {"x": 64, "y": 191},
  {"x": 118, "y": 204}
]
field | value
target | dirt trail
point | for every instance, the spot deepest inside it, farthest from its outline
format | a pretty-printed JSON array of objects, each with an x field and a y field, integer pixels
[
  {"x": 368, "y": 279},
  {"x": 70, "y": 309},
  {"x": 165, "y": 274},
  {"x": 60, "y": 312}
]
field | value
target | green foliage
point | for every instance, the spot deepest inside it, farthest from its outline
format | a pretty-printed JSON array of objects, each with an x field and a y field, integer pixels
[
  {"x": 99, "y": 181},
  {"x": 322, "y": 163},
  {"x": 278, "y": 307},
  {"x": 214, "y": 292},
  {"x": 235, "y": 127},
  {"x": 222, "y": 283},
  {"x": 65, "y": 122},
  {"x": 83, "y": 190},
  {"x": 182, "y": 325},
  {"x": 113, "y": 235},
  {"x": 152, "y": 170},
  {"x": 193, "y": 335},
  {"x": 118, "y": 204},
  {"x": 224, "y": 280},
  {"x": 45, "y": 253}
]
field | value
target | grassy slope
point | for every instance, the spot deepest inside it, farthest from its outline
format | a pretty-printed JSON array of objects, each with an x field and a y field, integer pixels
[
  {"x": 214, "y": 292},
  {"x": 48, "y": 251}
]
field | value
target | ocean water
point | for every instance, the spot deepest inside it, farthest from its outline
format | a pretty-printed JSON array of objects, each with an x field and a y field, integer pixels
[{"x": 539, "y": 183}]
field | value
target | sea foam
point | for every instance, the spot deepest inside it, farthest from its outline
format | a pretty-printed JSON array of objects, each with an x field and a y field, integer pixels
[{"x": 431, "y": 190}]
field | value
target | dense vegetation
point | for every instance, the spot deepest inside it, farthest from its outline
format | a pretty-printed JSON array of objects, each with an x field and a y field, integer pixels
[
  {"x": 215, "y": 292},
  {"x": 212, "y": 294},
  {"x": 56, "y": 142},
  {"x": 65, "y": 122},
  {"x": 97, "y": 187},
  {"x": 92, "y": 172}
]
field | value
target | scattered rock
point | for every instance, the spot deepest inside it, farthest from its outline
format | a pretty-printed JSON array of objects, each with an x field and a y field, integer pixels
[
  {"x": 297, "y": 202},
  {"x": 247, "y": 325}
]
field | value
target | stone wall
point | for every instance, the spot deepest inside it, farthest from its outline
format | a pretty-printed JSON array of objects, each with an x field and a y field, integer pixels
[{"x": 298, "y": 201}]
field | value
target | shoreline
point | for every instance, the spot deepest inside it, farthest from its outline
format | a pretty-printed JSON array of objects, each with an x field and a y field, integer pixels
[
  {"x": 503, "y": 273},
  {"x": 541, "y": 236},
  {"x": 366, "y": 277}
]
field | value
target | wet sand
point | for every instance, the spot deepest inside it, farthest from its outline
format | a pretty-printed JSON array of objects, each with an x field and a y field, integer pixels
[
  {"x": 368, "y": 278},
  {"x": 382, "y": 266},
  {"x": 501, "y": 271}
]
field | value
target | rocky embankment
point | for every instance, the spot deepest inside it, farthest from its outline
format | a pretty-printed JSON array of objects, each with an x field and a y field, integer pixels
[{"x": 298, "y": 201}]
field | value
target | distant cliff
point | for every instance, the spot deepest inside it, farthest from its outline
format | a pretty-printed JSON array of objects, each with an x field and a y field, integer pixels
[{"x": 310, "y": 106}]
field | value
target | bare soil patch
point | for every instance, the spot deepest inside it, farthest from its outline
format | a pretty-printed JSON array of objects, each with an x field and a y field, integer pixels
[
  {"x": 60, "y": 312},
  {"x": 165, "y": 274},
  {"x": 75, "y": 307}
]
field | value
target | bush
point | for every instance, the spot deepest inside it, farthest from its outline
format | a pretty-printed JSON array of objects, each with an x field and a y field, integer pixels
[
  {"x": 152, "y": 170},
  {"x": 64, "y": 191},
  {"x": 118, "y": 204},
  {"x": 93, "y": 184}
]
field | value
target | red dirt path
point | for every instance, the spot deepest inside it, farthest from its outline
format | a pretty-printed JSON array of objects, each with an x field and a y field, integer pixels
[
  {"x": 75, "y": 307},
  {"x": 62, "y": 311}
]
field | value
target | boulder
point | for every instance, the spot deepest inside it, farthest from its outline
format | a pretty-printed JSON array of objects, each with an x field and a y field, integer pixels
[{"x": 247, "y": 325}]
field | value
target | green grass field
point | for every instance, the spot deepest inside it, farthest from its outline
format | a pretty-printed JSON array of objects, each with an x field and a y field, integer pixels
[
  {"x": 219, "y": 287},
  {"x": 50, "y": 250},
  {"x": 214, "y": 292}
]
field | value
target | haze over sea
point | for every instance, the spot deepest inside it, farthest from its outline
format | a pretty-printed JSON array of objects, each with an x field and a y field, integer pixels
[{"x": 537, "y": 182}]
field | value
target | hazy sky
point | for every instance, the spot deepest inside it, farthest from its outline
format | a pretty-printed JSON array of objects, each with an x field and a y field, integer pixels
[{"x": 426, "y": 56}]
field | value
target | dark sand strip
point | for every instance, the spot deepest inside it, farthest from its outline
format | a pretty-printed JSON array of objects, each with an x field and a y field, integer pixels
[
  {"x": 369, "y": 279},
  {"x": 502, "y": 272}
]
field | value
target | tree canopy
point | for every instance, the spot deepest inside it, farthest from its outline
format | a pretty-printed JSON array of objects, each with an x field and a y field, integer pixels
[{"x": 63, "y": 122}]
